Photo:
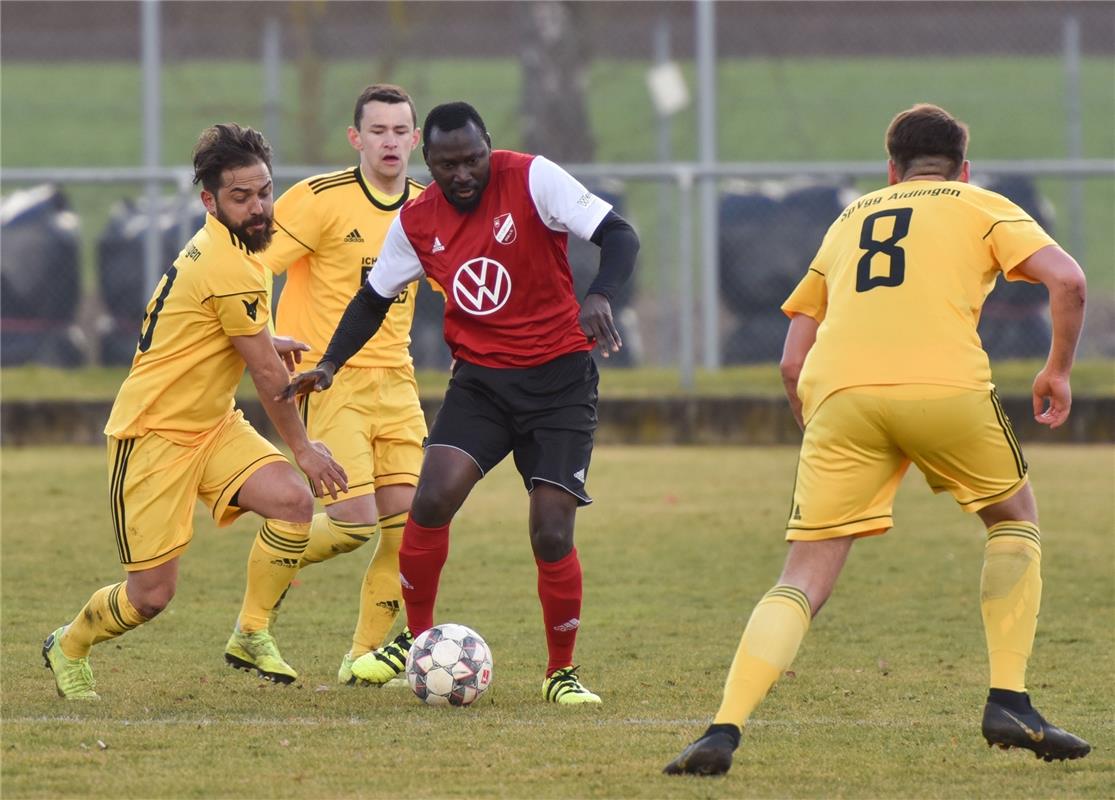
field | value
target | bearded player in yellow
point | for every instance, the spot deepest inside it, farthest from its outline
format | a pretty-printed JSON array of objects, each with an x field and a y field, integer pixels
[
  {"x": 328, "y": 233},
  {"x": 176, "y": 437},
  {"x": 883, "y": 367}
]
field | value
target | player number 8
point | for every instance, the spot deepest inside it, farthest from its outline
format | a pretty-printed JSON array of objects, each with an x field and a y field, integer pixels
[{"x": 896, "y": 270}]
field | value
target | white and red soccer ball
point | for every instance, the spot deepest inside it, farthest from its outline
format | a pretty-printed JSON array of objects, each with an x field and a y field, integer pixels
[{"x": 449, "y": 665}]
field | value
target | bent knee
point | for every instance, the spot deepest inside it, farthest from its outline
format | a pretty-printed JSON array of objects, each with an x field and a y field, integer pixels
[
  {"x": 277, "y": 491},
  {"x": 551, "y": 543},
  {"x": 150, "y": 602},
  {"x": 431, "y": 508},
  {"x": 290, "y": 500},
  {"x": 300, "y": 505}
]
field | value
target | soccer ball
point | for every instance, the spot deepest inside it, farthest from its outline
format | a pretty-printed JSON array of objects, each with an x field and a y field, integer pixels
[{"x": 449, "y": 665}]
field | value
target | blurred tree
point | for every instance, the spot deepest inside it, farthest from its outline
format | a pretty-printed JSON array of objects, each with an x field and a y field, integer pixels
[
  {"x": 555, "y": 78},
  {"x": 396, "y": 44},
  {"x": 306, "y": 19}
]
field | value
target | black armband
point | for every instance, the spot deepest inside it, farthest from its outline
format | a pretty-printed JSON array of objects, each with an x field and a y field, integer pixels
[
  {"x": 362, "y": 318},
  {"x": 619, "y": 244}
]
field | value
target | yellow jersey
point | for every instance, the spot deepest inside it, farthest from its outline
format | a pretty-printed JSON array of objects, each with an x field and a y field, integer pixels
[
  {"x": 328, "y": 234},
  {"x": 898, "y": 284},
  {"x": 185, "y": 371}
]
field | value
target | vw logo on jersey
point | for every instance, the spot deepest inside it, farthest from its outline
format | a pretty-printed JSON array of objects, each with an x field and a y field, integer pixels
[
  {"x": 503, "y": 228},
  {"x": 481, "y": 286}
]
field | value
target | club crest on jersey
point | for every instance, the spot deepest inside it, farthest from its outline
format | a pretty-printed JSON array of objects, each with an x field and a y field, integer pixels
[
  {"x": 481, "y": 286},
  {"x": 504, "y": 229}
]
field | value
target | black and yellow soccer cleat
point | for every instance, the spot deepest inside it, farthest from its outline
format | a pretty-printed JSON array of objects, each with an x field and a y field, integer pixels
[
  {"x": 563, "y": 687},
  {"x": 709, "y": 755},
  {"x": 379, "y": 667},
  {"x": 1009, "y": 727}
]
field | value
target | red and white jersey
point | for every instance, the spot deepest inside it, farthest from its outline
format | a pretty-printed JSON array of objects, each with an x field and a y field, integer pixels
[{"x": 503, "y": 267}]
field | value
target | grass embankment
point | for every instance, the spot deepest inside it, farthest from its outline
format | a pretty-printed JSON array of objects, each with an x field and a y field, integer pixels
[{"x": 1091, "y": 377}]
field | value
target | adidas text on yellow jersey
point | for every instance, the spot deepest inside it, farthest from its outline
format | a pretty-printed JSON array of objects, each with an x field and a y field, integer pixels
[{"x": 328, "y": 233}]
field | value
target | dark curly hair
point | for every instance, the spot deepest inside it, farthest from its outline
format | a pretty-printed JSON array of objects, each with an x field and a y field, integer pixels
[{"x": 227, "y": 146}]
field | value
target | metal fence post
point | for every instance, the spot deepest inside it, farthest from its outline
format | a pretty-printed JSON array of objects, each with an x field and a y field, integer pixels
[
  {"x": 685, "y": 278},
  {"x": 272, "y": 83},
  {"x": 706, "y": 141},
  {"x": 152, "y": 133},
  {"x": 185, "y": 198},
  {"x": 665, "y": 202},
  {"x": 1074, "y": 133}
]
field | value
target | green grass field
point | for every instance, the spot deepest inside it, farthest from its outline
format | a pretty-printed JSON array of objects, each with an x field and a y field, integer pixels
[{"x": 884, "y": 700}]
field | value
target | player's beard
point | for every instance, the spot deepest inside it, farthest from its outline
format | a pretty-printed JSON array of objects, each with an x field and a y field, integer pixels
[
  {"x": 254, "y": 241},
  {"x": 471, "y": 203}
]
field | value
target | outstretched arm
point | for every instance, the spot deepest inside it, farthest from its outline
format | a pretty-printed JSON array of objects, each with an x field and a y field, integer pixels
[
  {"x": 619, "y": 244},
  {"x": 362, "y": 318},
  {"x": 270, "y": 376},
  {"x": 799, "y": 339},
  {"x": 1062, "y": 276}
]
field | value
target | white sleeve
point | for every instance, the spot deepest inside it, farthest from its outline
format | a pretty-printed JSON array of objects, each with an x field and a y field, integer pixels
[
  {"x": 562, "y": 202},
  {"x": 397, "y": 264}
]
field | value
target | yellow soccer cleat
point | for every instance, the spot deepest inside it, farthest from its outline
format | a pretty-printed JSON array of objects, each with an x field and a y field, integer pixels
[
  {"x": 257, "y": 652},
  {"x": 72, "y": 676},
  {"x": 564, "y": 688},
  {"x": 379, "y": 667}
]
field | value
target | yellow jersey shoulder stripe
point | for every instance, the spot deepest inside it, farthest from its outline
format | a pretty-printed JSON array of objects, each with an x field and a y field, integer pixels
[{"x": 330, "y": 177}]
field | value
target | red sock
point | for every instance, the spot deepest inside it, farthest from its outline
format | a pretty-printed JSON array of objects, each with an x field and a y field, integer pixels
[
  {"x": 421, "y": 557},
  {"x": 559, "y": 589}
]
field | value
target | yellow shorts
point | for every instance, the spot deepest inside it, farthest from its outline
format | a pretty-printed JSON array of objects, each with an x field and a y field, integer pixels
[
  {"x": 861, "y": 440},
  {"x": 371, "y": 420},
  {"x": 154, "y": 484}
]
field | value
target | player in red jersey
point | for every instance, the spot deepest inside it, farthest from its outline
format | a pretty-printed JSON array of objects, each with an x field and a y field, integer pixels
[{"x": 494, "y": 237}]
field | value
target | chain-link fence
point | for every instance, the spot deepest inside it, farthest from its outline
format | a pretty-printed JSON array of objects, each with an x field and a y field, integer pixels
[{"x": 801, "y": 94}]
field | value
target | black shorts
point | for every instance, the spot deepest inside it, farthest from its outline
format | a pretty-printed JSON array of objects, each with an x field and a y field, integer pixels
[{"x": 545, "y": 415}]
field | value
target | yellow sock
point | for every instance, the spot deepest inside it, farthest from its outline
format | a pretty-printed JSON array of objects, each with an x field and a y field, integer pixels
[
  {"x": 108, "y": 614},
  {"x": 381, "y": 597},
  {"x": 330, "y": 537},
  {"x": 274, "y": 560},
  {"x": 1010, "y": 596},
  {"x": 768, "y": 646}
]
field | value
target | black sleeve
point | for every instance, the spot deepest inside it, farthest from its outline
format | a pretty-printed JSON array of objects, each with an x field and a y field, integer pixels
[
  {"x": 619, "y": 244},
  {"x": 362, "y": 318}
]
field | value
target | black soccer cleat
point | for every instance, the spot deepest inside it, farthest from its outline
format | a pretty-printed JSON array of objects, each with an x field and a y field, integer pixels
[
  {"x": 1010, "y": 727},
  {"x": 709, "y": 755}
]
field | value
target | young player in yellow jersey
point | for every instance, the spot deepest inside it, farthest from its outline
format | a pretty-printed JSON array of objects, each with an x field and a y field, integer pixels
[
  {"x": 176, "y": 437},
  {"x": 328, "y": 233},
  {"x": 883, "y": 367}
]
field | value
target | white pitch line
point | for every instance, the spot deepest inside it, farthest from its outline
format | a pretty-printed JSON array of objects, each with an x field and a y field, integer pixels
[{"x": 306, "y": 722}]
